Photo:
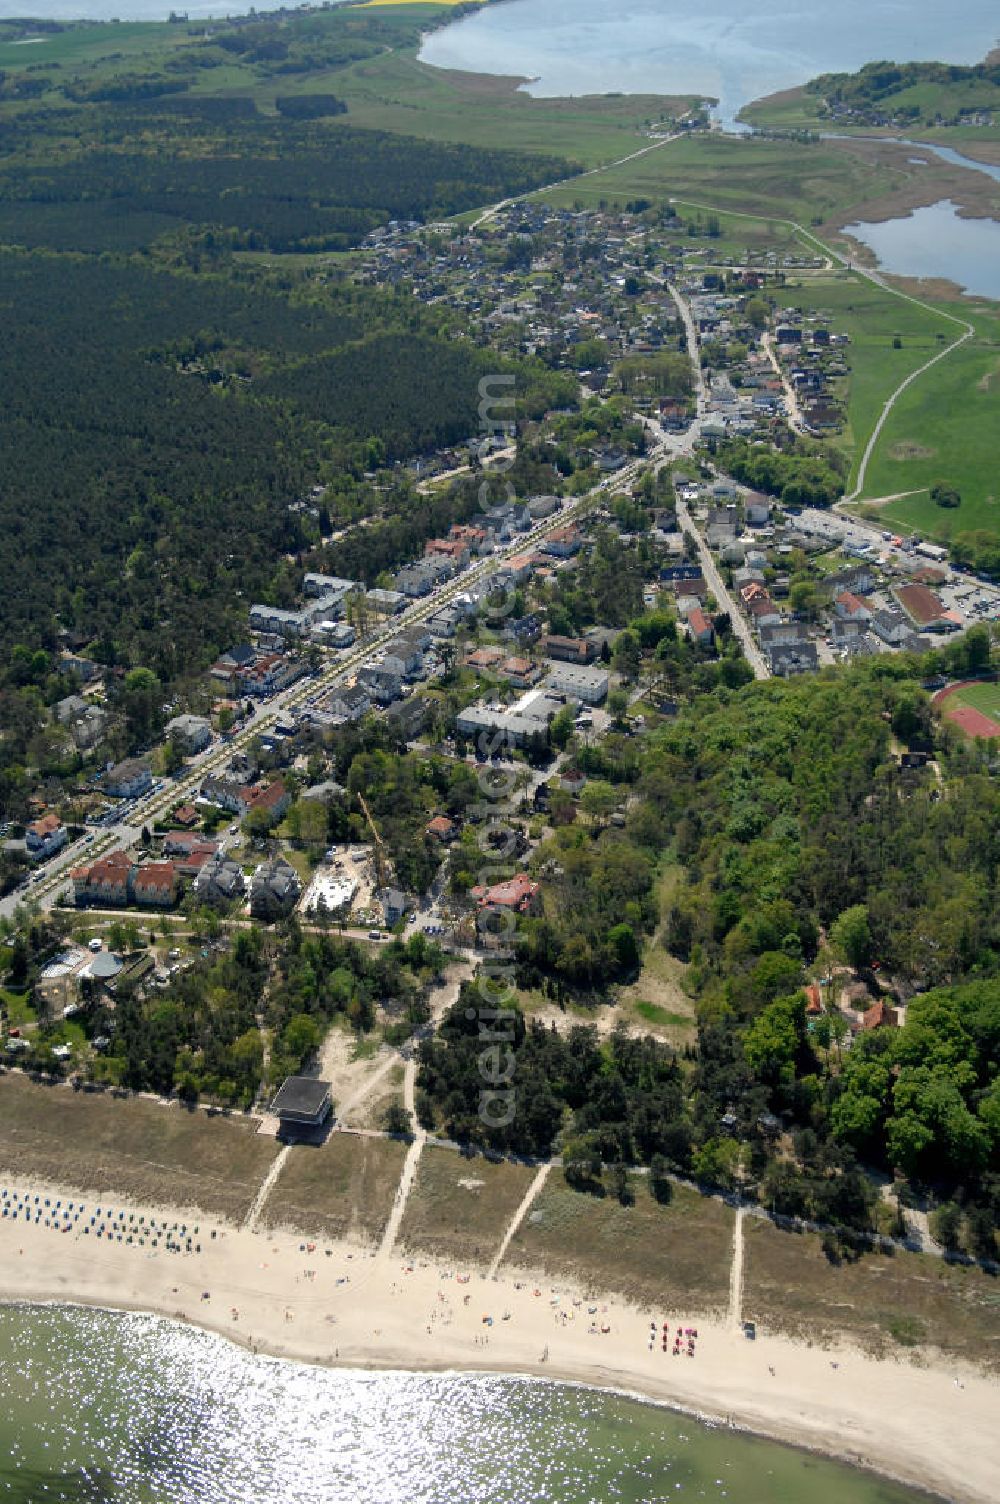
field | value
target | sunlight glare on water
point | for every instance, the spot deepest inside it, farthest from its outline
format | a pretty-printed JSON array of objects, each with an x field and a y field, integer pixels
[{"x": 113, "y": 1408}]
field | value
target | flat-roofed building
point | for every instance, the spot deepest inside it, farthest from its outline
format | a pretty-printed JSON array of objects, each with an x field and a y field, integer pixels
[
  {"x": 589, "y": 685},
  {"x": 302, "y": 1106}
]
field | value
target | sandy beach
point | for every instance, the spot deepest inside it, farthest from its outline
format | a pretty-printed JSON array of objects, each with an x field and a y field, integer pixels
[{"x": 937, "y": 1427}]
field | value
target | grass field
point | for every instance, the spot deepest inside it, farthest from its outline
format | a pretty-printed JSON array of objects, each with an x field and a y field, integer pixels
[
  {"x": 944, "y": 429},
  {"x": 159, "y": 1155},
  {"x": 873, "y": 318},
  {"x": 674, "y": 1257},
  {"x": 395, "y": 92},
  {"x": 886, "y": 1304},
  {"x": 344, "y": 1188},
  {"x": 459, "y": 1209},
  {"x": 984, "y": 697},
  {"x": 133, "y": 42},
  {"x": 797, "y": 182}
]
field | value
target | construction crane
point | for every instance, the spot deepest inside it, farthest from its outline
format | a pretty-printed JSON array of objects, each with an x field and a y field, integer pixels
[{"x": 381, "y": 863}]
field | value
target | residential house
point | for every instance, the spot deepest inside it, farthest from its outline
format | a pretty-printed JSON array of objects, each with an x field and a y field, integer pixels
[
  {"x": 518, "y": 895},
  {"x": 454, "y": 550},
  {"x": 220, "y": 882},
  {"x": 408, "y": 718},
  {"x": 758, "y": 510},
  {"x": 395, "y": 906},
  {"x": 386, "y": 602},
  {"x": 44, "y": 837},
  {"x": 116, "y": 880},
  {"x": 572, "y": 781},
  {"x": 128, "y": 779},
  {"x": 442, "y": 829},
  {"x": 482, "y": 659},
  {"x": 701, "y": 629},
  {"x": 880, "y": 1016},
  {"x": 523, "y": 629},
  {"x": 520, "y": 672},
  {"x": 858, "y": 579},
  {"x": 892, "y": 627},
  {"x": 788, "y": 659},
  {"x": 404, "y": 657},
  {"x": 275, "y": 889},
  {"x": 762, "y": 611},
  {"x": 850, "y": 607},
  {"x": 104, "y": 884},
  {"x": 690, "y": 583},
  {"x": 418, "y": 580},
  {"x": 382, "y": 683},
  {"x": 242, "y": 798},
  {"x": 183, "y": 842},
  {"x": 154, "y": 885},
  {"x": 779, "y": 633},
  {"x": 350, "y": 704},
  {"x": 191, "y": 733},
  {"x": 563, "y": 543},
  {"x": 568, "y": 649},
  {"x": 589, "y": 685}
]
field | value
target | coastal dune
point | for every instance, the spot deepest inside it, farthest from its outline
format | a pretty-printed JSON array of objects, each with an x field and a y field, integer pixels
[{"x": 337, "y": 1303}]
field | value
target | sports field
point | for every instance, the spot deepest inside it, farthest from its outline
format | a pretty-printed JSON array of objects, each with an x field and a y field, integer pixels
[{"x": 974, "y": 707}]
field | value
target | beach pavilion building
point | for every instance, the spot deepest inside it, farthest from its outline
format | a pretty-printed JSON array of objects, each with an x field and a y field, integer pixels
[{"x": 302, "y": 1106}]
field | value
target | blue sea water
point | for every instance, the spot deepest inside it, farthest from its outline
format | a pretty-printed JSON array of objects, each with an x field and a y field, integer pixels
[{"x": 730, "y": 50}]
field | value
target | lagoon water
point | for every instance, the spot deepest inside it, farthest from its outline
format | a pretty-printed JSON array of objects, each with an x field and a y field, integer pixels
[
  {"x": 730, "y": 50},
  {"x": 115, "y": 1408},
  {"x": 936, "y": 242}
]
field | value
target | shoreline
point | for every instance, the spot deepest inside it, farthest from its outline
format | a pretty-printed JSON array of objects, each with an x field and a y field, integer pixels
[
  {"x": 707, "y": 1418},
  {"x": 339, "y": 1305}
]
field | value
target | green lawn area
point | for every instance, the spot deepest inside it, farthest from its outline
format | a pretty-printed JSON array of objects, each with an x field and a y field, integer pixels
[
  {"x": 873, "y": 318},
  {"x": 984, "y": 697},
  {"x": 131, "y": 41},
  {"x": 17, "y": 1006},
  {"x": 396, "y": 92},
  {"x": 797, "y": 182},
  {"x": 944, "y": 428}
]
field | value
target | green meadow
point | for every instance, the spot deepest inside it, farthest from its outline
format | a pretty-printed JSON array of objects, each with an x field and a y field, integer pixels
[{"x": 944, "y": 428}]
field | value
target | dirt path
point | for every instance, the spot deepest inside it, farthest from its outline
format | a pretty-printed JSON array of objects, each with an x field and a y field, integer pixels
[
  {"x": 518, "y": 1217},
  {"x": 410, "y": 1163},
  {"x": 736, "y": 1274},
  {"x": 267, "y": 1186}
]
